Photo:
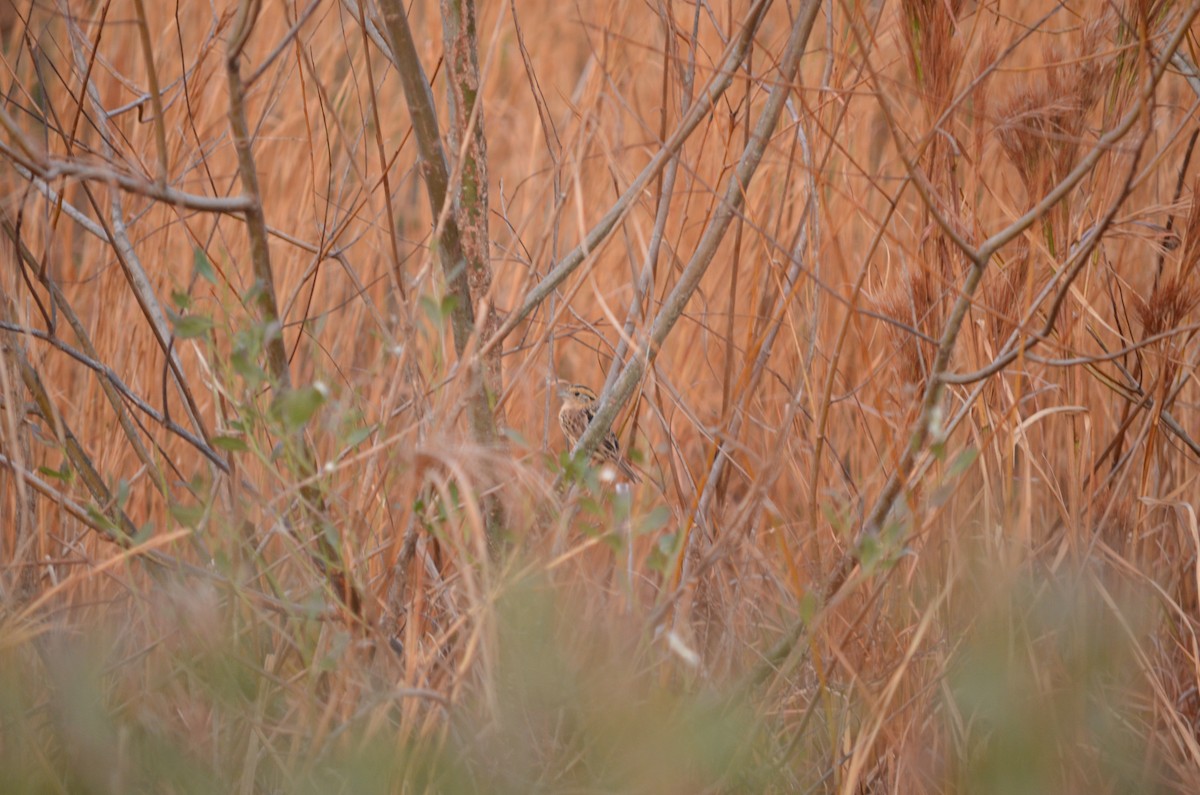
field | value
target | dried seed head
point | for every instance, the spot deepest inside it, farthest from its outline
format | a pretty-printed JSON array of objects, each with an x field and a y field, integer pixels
[
  {"x": 1170, "y": 303},
  {"x": 1043, "y": 123}
]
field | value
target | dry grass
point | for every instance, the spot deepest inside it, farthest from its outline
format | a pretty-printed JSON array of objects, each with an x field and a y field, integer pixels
[{"x": 885, "y": 587}]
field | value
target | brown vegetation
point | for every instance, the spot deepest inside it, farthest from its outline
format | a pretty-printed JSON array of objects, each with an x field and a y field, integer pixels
[{"x": 893, "y": 305}]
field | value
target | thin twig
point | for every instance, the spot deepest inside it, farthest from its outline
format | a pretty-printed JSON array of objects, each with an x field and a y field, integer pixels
[
  {"x": 731, "y": 202},
  {"x": 735, "y": 54}
]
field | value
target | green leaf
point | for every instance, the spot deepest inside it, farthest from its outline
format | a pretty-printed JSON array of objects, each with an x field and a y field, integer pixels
[
  {"x": 808, "y": 606},
  {"x": 232, "y": 444},
  {"x": 332, "y": 660},
  {"x": 249, "y": 341},
  {"x": 102, "y": 521},
  {"x": 181, "y": 300},
  {"x": 295, "y": 407},
  {"x": 190, "y": 326},
  {"x": 663, "y": 552},
  {"x": 63, "y": 473},
  {"x": 256, "y": 289},
  {"x": 187, "y": 515},
  {"x": 578, "y": 469},
  {"x": 122, "y": 495},
  {"x": 144, "y": 533},
  {"x": 655, "y": 520},
  {"x": 870, "y": 551},
  {"x": 613, "y": 541},
  {"x": 332, "y": 538},
  {"x": 244, "y": 365},
  {"x": 941, "y": 494},
  {"x": 358, "y": 435},
  {"x": 962, "y": 462},
  {"x": 199, "y": 483},
  {"x": 202, "y": 267},
  {"x": 438, "y": 311},
  {"x": 430, "y": 308},
  {"x": 836, "y": 516},
  {"x": 514, "y": 436}
]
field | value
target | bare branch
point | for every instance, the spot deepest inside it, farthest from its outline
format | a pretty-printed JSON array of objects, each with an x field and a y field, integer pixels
[
  {"x": 734, "y": 55},
  {"x": 50, "y": 169},
  {"x": 731, "y": 202}
]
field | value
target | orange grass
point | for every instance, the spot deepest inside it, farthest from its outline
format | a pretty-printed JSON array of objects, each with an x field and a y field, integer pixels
[{"x": 1023, "y": 620}]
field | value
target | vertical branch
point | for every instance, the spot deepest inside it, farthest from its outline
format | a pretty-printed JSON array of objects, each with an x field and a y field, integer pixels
[
  {"x": 329, "y": 559},
  {"x": 729, "y": 207},
  {"x": 256, "y": 223},
  {"x": 434, "y": 167},
  {"x": 470, "y": 200},
  {"x": 16, "y": 541},
  {"x": 460, "y": 213},
  {"x": 666, "y": 190},
  {"x": 928, "y": 425},
  {"x": 463, "y": 262},
  {"x": 160, "y": 130}
]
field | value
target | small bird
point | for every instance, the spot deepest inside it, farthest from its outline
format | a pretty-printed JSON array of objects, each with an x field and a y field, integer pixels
[{"x": 578, "y": 408}]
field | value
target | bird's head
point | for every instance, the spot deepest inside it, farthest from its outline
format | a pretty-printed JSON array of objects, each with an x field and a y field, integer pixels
[{"x": 577, "y": 393}]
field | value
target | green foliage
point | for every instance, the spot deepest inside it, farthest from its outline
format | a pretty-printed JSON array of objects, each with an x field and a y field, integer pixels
[
  {"x": 64, "y": 473},
  {"x": 246, "y": 357},
  {"x": 579, "y": 709},
  {"x": 356, "y": 436},
  {"x": 201, "y": 267},
  {"x": 230, "y": 444},
  {"x": 653, "y": 521},
  {"x": 1043, "y": 685},
  {"x": 232, "y": 700},
  {"x": 438, "y": 312},
  {"x": 664, "y": 551},
  {"x": 949, "y": 483},
  {"x": 295, "y": 407},
  {"x": 190, "y": 326},
  {"x": 187, "y": 515}
]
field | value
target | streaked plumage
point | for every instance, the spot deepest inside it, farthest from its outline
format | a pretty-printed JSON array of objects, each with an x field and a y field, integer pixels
[{"x": 578, "y": 408}]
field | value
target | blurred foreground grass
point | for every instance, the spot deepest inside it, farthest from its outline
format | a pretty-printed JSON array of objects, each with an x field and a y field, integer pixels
[{"x": 175, "y": 688}]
